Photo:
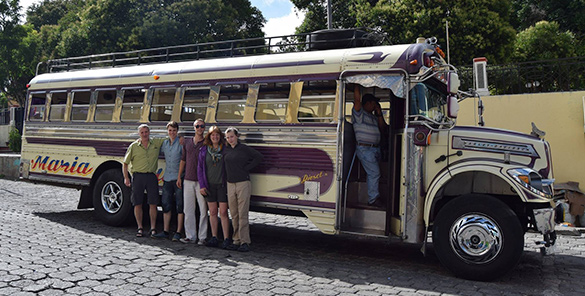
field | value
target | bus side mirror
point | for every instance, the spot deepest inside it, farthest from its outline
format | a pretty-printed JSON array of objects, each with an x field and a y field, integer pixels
[
  {"x": 453, "y": 83},
  {"x": 452, "y": 107}
]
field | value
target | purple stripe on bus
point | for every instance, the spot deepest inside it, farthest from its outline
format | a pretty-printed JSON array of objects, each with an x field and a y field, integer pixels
[
  {"x": 376, "y": 57},
  {"x": 493, "y": 130},
  {"x": 290, "y": 78},
  {"x": 306, "y": 164},
  {"x": 319, "y": 204},
  {"x": 55, "y": 176}
]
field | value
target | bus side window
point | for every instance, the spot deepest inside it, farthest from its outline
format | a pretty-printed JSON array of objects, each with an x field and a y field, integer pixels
[
  {"x": 80, "y": 106},
  {"x": 161, "y": 108},
  {"x": 132, "y": 104},
  {"x": 272, "y": 102},
  {"x": 317, "y": 101},
  {"x": 106, "y": 102},
  {"x": 37, "y": 107},
  {"x": 195, "y": 103},
  {"x": 58, "y": 106},
  {"x": 231, "y": 103}
]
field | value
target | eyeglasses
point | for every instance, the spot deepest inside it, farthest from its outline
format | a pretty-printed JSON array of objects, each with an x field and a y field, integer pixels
[{"x": 200, "y": 126}]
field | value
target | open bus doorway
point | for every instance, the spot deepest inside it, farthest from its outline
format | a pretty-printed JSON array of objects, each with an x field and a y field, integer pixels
[{"x": 356, "y": 215}]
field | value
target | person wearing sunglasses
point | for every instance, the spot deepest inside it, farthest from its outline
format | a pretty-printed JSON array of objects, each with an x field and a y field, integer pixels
[{"x": 191, "y": 188}]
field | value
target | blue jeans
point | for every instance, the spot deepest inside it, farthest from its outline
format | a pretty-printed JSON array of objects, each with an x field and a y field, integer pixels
[
  {"x": 370, "y": 158},
  {"x": 172, "y": 195}
]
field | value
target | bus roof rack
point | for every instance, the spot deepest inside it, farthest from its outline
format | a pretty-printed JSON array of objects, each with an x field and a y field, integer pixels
[{"x": 318, "y": 40}]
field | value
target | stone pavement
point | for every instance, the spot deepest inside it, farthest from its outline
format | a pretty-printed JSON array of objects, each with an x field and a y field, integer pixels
[{"x": 47, "y": 247}]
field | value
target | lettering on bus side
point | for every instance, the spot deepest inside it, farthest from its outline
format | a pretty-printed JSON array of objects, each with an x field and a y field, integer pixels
[
  {"x": 46, "y": 163},
  {"x": 308, "y": 177}
]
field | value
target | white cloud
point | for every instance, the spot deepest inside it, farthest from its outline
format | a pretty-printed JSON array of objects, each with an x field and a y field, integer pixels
[{"x": 285, "y": 25}]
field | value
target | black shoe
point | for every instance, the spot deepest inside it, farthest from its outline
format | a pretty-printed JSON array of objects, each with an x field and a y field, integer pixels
[
  {"x": 227, "y": 243},
  {"x": 377, "y": 203},
  {"x": 213, "y": 242},
  {"x": 244, "y": 248}
]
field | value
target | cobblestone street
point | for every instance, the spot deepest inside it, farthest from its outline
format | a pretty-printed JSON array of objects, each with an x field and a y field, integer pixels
[{"x": 48, "y": 247}]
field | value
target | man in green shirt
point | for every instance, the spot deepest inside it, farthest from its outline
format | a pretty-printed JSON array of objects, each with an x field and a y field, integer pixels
[{"x": 142, "y": 154}]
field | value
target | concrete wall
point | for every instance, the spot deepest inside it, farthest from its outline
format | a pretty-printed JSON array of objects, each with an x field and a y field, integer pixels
[
  {"x": 4, "y": 135},
  {"x": 9, "y": 164},
  {"x": 560, "y": 115}
]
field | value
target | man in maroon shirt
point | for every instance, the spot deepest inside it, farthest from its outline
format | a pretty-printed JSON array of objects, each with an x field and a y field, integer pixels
[{"x": 191, "y": 187}]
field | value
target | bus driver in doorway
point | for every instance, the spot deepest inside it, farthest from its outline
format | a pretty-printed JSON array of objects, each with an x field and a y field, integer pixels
[{"x": 368, "y": 125}]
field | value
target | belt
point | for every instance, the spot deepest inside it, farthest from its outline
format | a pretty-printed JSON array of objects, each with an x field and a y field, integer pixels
[
  {"x": 138, "y": 173},
  {"x": 367, "y": 145}
]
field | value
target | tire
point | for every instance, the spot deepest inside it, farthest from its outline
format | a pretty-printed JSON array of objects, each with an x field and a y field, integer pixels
[
  {"x": 478, "y": 237},
  {"x": 111, "y": 199}
]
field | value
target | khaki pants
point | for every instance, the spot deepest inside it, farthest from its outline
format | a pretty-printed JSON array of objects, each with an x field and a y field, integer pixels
[{"x": 239, "y": 205}]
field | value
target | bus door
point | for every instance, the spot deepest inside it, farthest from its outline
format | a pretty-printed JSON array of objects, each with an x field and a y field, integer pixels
[{"x": 355, "y": 215}]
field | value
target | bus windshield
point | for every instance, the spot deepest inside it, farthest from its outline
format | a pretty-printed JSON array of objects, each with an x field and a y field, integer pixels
[{"x": 428, "y": 102}]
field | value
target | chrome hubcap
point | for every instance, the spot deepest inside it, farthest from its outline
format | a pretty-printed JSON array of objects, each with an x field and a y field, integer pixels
[
  {"x": 111, "y": 197},
  {"x": 476, "y": 238}
]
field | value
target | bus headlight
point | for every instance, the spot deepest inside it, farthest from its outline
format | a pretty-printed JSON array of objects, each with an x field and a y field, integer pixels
[{"x": 532, "y": 181}]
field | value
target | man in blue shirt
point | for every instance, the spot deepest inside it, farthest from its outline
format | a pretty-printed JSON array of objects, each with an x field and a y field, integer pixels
[
  {"x": 368, "y": 127},
  {"x": 172, "y": 194}
]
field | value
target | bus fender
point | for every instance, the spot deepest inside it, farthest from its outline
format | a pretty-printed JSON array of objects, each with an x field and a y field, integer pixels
[{"x": 497, "y": 183}]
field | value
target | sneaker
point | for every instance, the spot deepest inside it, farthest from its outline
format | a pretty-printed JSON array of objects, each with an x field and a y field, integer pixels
[
  {"x": 232, "y": 247},
  {"x": 213, "y": 242},
  {"x": 202, "y": 242},
  {"x": 244, "y": 248},
  {"x": 227, "y": 243},
  {"x": 176, "y": 237},
  {"x": 161, "y": 235},
  {"x": 187, "y": 241}
]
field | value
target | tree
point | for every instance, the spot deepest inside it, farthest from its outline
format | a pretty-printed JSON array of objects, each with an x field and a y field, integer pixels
[
  {"x": 477, "y": 28},
  {"x": 18, "y": 45},
  {"x": 544, "y": 41},
  {"x": 569, "y": 14},
  {"x": 101, "y": 26}
]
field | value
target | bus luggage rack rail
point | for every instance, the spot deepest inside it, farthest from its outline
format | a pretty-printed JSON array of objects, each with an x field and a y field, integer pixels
[{"x": 324, "y": 39}]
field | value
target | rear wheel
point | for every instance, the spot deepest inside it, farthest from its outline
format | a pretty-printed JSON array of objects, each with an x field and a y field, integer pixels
[
  {"x": 478, "y": 237},
  {"x": 111, "y": 198}
]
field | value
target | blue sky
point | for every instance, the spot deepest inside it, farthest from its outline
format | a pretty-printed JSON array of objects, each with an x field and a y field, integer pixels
[
  {"x": 273, "y": 8},
  {"x": 281, "y": 17}
]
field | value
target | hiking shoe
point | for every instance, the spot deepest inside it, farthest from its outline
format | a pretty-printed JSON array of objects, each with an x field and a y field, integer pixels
[
  {"x": 187, "y": 241},
  {"x": 160, "y": 235},
  {"x": 232, "y": 247},
  {"x": 213, "y": 242},
  {"x": 244, "y": 248},
  {"x": 227, "y": 243},
  {"x": 176, "y": 237}
]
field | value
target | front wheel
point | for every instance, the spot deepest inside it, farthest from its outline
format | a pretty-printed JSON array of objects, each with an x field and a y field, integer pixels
[
  {"x": 111, "y": 198},
  {"x": 478, "y": 237}
]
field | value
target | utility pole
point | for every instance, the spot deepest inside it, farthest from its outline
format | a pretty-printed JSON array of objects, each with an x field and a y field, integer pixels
[
  {"x": 447, "y": 31},
  {"x": 329, "y": 15}
]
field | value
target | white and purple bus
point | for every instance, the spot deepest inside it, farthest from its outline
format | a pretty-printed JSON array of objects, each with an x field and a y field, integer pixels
[{"x": 476, "y": 189}]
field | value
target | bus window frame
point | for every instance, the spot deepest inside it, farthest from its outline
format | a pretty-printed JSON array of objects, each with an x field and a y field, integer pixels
[
  {"x": 73, "y": 105},
  {"x": 142, "y": 104},
  {"x": 30, "y": 105},
  {"x": 272, "y": 100},
  {"x": 334, "y": 96},
  {"x": 66, "y": 107},
  {"x": 203, "y": 105},
  {"x": 152, "y": 91},
  {"x": 241, "y": 101},
  {"x": 114, "y": 105}
]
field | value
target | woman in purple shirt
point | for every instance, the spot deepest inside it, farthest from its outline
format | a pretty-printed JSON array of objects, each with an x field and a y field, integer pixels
[{"x": 211, "y": 175}]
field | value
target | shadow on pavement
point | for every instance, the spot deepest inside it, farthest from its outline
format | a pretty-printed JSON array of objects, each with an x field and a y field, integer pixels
[{"x": 352, "y": 260}]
